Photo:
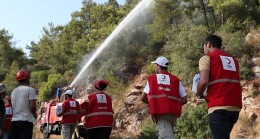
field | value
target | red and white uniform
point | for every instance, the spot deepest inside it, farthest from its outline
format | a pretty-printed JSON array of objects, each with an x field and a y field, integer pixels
[
  {"x": 71, "y": 108},
  {"x": 100, "y": 112},
  {"x": 164, "y": 96},
  {"x": 8, "y": 115},
  {"x": 224, "y": 87}
]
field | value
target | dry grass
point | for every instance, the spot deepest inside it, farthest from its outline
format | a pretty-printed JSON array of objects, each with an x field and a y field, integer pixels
[{"x": 245, "y": 128}]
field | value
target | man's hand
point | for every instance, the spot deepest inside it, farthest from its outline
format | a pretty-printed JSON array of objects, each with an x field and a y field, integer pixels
[{"x": 143, "y": 98}]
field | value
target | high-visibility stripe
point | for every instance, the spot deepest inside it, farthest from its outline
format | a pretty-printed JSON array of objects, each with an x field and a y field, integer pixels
[
  {"x": 164, "y": 95},
  {"x": 223, "y": 80},
  {"x": 99, "y": 113},
  {"x": 71, "y": 112},
  {"x": 8, "y": 118}
]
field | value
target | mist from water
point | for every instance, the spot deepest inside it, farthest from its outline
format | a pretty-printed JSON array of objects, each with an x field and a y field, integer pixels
[{"x": 128, "y": 22}]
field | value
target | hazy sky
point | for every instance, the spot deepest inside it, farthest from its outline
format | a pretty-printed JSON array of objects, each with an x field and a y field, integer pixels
[{"x": 24, "y": 19}]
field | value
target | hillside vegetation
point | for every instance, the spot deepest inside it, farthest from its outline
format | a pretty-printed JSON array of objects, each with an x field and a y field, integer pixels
[{"x": 172, "y": 28}]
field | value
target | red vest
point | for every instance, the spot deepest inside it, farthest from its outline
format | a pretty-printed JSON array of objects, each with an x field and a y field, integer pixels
[
  {"x": 164, "y": 97},
  {"x": 100, "y": 112},
  {"x": 224, "y": 87},
  {"x": 71, "y": 108},
  {"x": 8, "y": 114}
]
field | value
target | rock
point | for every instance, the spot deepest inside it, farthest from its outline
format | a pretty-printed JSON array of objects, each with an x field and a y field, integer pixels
[{"x": 134, "y": 92}]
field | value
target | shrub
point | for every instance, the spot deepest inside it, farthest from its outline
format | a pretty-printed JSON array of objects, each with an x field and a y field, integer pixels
[
  {"x": 148, "y": 130},
  {"x": 193, "y": 123}
]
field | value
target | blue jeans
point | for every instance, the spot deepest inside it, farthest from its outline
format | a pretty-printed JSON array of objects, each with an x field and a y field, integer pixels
[{"x": 221, "y": 123}]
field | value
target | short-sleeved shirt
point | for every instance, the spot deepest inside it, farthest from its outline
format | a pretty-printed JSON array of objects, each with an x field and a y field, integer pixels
[
  {"x": 20, "y": 102},
  {"x": 204, "y": 63},
  {"x": 181, "y": 89}
]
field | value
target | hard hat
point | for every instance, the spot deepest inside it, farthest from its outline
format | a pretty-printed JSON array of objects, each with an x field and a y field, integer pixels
[
  {"x": 101, "y": 84},
  {"x": 21, "y": 75},
  {"x": 2, "y": 88},
  {"x": 68, "y": 92}
]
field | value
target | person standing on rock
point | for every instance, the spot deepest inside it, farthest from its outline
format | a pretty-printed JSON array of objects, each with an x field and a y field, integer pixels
[
  {"x": 219, "y": 73},
  {"x": 165, "y": 94},
  {"x": 99, "y": 118},
  {"x": 70, "y": 110},
  {"x": 23, "y": 99}
]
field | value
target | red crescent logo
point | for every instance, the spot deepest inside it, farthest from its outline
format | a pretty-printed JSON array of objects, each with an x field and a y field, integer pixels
[
  {"x": 228, "y": 61},
  {"x": 164, "y": 77}
]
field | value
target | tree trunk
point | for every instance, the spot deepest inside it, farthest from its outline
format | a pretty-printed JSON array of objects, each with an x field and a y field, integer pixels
[{"x": 204, "y": 12}]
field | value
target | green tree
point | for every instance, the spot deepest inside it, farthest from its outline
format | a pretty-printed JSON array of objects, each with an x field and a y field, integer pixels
[{"x": 10, "y": 78}]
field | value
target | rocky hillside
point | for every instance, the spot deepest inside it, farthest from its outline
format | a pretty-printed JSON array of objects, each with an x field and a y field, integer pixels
[{"x": 130, "y": 113}]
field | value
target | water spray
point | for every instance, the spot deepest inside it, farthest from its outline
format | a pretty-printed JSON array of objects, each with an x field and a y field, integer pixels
[{"x": 139, "y": 8}]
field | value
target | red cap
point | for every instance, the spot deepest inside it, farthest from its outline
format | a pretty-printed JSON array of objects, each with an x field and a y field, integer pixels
[
  {"x": 101, "y": 84},
  {"x": 21, "y": 75}
]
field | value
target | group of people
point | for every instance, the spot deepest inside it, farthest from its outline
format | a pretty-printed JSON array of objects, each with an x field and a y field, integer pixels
[
  {"x": 218, "y": 77},
  {"x": 99, "y": 117},
  {"x": 164, "y": 92},
  {"x": 19, "y": 113}
]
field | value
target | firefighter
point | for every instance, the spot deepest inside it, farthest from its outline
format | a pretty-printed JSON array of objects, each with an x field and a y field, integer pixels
[
  {"x": 8, "y": 114},
  {"x": 99, "y": 118},
  {"x": 70, "y": 110},
  {"x": 23, "y": 99}
]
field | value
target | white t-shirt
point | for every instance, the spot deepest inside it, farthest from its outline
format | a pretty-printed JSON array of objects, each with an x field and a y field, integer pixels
[
  {"x": 20, "y": 102},
  {"x": 181, "y": 89}
]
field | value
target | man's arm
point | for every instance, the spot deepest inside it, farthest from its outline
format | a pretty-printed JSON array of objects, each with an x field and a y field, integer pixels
[
  {"x": 32, "y": 103},
  {"x": 143, "y": 98},
  {"x": 204, "y": 79}
]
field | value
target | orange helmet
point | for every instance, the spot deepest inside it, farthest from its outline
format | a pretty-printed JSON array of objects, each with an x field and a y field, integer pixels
[
  {"x": 101, "y": 84},
  {"x": 22, "y": 75}
]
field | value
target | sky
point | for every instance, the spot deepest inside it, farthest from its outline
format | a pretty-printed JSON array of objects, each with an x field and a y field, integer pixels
[{"x": 24, "y": 19}]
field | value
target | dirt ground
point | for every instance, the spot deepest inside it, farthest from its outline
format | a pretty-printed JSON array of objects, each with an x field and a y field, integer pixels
[{"x": 38, "y": 135}]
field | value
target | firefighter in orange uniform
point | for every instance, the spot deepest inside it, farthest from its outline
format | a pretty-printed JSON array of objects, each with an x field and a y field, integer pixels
[
  {"x": 99, "y": 118},
  {"x": 70, "y": 110}
]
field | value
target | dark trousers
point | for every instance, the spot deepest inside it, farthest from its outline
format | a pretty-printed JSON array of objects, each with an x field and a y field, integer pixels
[
  {"x": 99, "y": 133},
  {"x": 21, "y": 130},
  {"x": 221, "y": 123}
]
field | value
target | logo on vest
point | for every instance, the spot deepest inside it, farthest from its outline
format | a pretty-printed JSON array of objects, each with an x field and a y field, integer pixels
[
  {"x": 101, "y": 98},
  {"x": 228, "y": 63},
  {"x": 163, "y": 79},
  {"x": 165, "y": 89}
]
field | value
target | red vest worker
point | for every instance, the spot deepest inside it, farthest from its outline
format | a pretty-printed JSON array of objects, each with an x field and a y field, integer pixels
[
  {"x": 99, "y": 119},
  {"x": 166, "y": 95},
  {"x": 70, "y": 110},
  {"x": 219, "y": 73}
]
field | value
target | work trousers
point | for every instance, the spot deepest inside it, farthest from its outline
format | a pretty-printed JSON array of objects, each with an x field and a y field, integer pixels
[
  {"x": 99, "y": 133},
  {"x": 21, "y": 130},
  {"x": 67, "y": 130},
  {"x": 165, "y": 125},
  {"x": 221, "y": 123}
]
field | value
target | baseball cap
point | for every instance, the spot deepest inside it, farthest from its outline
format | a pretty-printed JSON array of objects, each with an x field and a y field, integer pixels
[
  {"x": 162, "y": 61},
  {"x": 68, "y": 92}
]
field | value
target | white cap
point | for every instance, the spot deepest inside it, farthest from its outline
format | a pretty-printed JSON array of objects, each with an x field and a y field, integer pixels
[
  {"x": 162, "y": 61},
  {"x": 68, "y": 92}
]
